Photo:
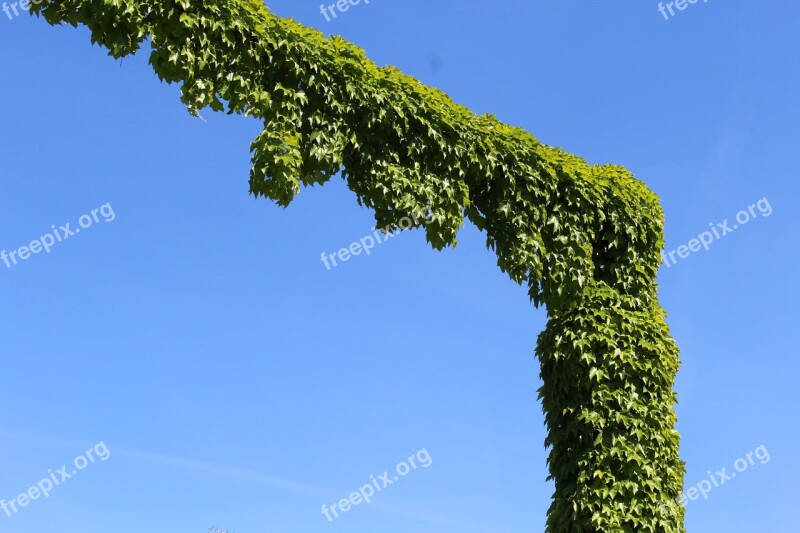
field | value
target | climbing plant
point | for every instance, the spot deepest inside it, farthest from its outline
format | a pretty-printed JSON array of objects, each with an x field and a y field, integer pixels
[{"x": 584, "y": 238}]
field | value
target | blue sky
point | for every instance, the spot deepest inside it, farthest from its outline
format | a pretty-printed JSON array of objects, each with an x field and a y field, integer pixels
[{"x": 239, "y": 384}]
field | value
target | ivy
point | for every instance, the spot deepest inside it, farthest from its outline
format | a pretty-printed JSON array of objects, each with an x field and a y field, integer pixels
[{"x": 584, "y": 238}]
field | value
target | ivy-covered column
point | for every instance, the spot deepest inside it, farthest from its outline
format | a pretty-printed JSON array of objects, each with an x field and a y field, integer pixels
[{"x": 608, "y": 368}]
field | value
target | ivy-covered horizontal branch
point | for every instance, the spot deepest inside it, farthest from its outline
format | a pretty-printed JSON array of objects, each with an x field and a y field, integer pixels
[{"x": 554, "y": 220}]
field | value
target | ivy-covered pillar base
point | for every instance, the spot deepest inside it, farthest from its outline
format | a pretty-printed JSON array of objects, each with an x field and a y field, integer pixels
[{"x": 608, "y": 369}]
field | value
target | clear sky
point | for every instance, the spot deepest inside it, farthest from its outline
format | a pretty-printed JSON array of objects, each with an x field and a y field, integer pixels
[{"x": 237, "y": 383}]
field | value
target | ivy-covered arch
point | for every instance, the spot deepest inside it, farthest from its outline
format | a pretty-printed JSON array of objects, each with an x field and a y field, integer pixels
[{"x": 584, "y": 238}]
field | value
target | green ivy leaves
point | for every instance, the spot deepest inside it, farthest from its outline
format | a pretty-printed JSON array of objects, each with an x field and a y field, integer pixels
[
  {"x": 585, "y": 238},
  {"x": 608, "y": 368}
]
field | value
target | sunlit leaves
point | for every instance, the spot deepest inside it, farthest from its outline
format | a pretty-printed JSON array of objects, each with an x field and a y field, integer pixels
[{"x": 584, "y": 238}]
